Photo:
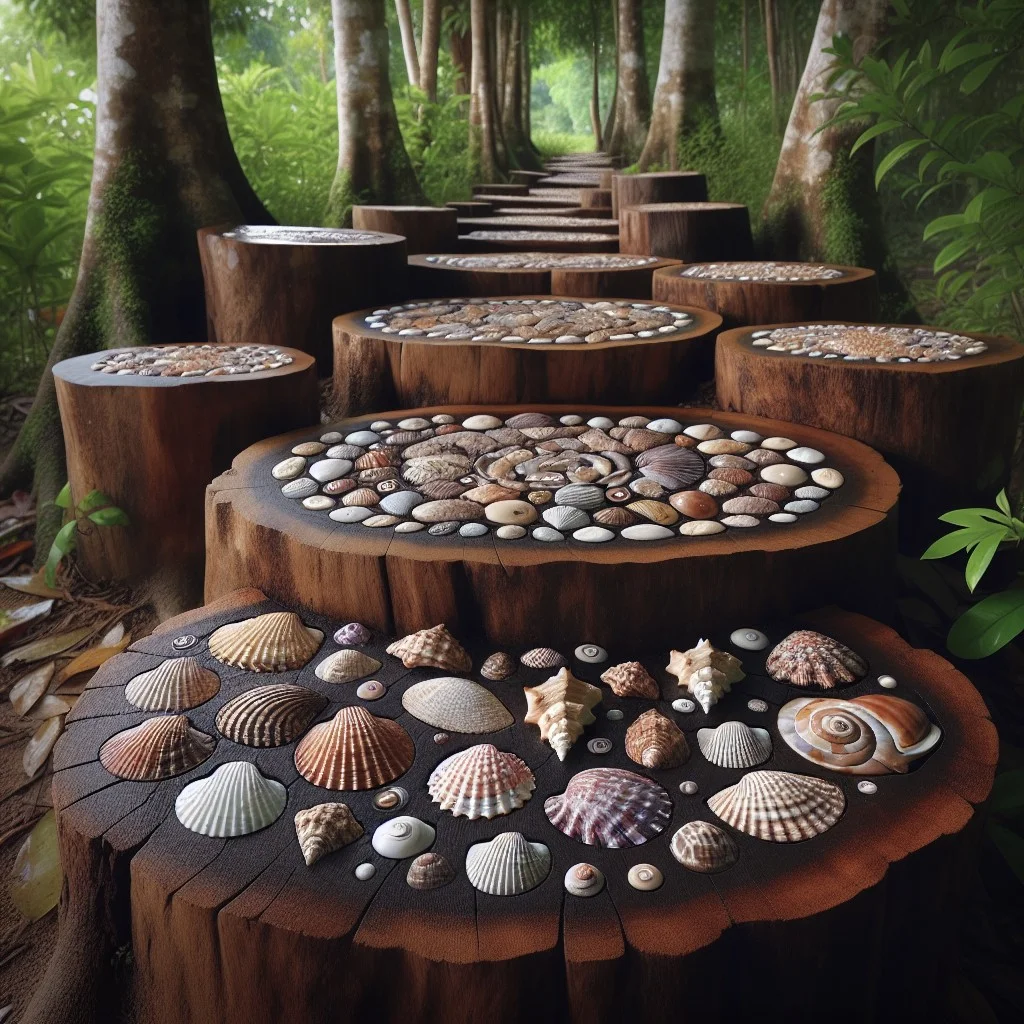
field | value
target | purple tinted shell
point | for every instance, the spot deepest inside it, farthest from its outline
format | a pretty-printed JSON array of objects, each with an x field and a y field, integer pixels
[{"x": 353, "y": 633}]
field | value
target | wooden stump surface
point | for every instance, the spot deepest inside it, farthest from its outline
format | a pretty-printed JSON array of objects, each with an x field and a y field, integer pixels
[
  {"x": 513, "y": 240},
  {"x": 657, "y": 187},
  {"x": 691, "y": 232},
  {"x": 425, "y": 228}
]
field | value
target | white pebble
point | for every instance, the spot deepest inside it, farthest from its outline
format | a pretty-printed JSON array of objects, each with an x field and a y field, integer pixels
[
  {"x": 601, "y": 423},
  {"x": 593, "y": 535},
  {"x": 808, "y": 456},
  {"x": 778, "y": 444},
  {"x": 547, "y": 533},
  {"x": 353, "y": 514},
  {"x": 887, "y": 682},
  {"x": 364, "y": 872},
  {"x": 510, "y": 532},
  {"x": 684, "y": 706},
  {"x": 748, "y": 639},
  {"x": 830, "y": 478}
]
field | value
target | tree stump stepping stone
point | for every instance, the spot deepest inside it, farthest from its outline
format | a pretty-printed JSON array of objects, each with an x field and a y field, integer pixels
[
  {"x": 151, "y": 426},
  {"x": 523, "y": 348},
  {"x": 276, "y": 285},
  {"x": 425, "y": 228},
  {"x": 582, "y": 178},
  {"x": 586, "y": 275},
  {"x": 524, "y": 240},
  {"x": 673, "y": 891},
  {"x": 658, "y": 187},
  {"x": 501, "y": 189},
  {"x": 560, "y": 201},
  {"x": 745, "y": 293},
  {"x": 691, "y": 232},
  {"x": 543, "y": 548},
  {"x": 565, "y": 193},
  {"x": 520, "y": 176},
  {"x": 943, "y": 407},
  {"x": 473, "y": 207},
  {"x": 536, "y": 221},
  {"x": 597, "y": 199}
]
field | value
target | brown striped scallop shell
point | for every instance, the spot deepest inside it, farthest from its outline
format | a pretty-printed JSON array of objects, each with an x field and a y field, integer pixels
[
  {"x": 269, "y": 716},
  {"x": 701, "y": 846},
  {"x": 159, "y": 748},
  {"x": 542, "y": 657},
  {"x": 274, "y": 642},
  {"x": 807, "y": 658},
  {"x": 656, "y": 742},
  {"x": 431, "y": 648},
  {"x": 176, "y": 684},
  {"x": 498, "y": 666}
]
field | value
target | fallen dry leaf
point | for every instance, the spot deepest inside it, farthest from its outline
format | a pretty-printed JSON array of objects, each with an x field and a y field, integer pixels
[
  {"x": 114, "y": 636},
  {"x": 48, "y": 707},
  {"x": 46, "y": 647},
  {"x": 37, "y": 877},
  {"x": 34, "y": 585},
  {"x": 14, "y": 621},
  {"x": 29, "y": 688},
  {"x": 92, "y": 658},
  {"x": 74, "y": 687},
  {"x": 38, "y": 748}
]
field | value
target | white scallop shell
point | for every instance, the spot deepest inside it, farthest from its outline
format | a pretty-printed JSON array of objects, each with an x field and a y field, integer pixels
[
  {"x": 735, "y": 745},
  {"x": 234, "y": 801},
  {"x": 457, "y": 705},
  {"x": 507, "y": 865},
  {"x": 176, "y": 684}
]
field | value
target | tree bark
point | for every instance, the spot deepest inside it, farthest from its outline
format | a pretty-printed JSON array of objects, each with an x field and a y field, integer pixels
[
  {"x": 684, "y": 96},
  {"x": 461, "y": 46},
  {"x": 595, "y": 83},
  {"x": 373, "y": 166},
  {"x": 405, "y": 26},
  {"x": 164, "y": 166},
  {"x": 429, "y": 43},
  {"x": 609, "y": 121},
  {"x": 771, "y": 43},
  {"x": 632, "y": 92},
  {"x": 526, "y": 79},
  {"x": 500, "y": 43},
  {"x": 482, "y": 129}
]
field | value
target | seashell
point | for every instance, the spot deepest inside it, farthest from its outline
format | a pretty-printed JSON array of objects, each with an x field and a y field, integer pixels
[
  {"x": 671, "y": 466},
  {"x": 779, "y": 807},
  {"x": 345, "y": 451},
  {"x": 457, "y": 705},
  {"x": 234, "y": 801},
  {"x": 274, "y": 642},
  {"x": 352, "y": 633},
  {"x": 377, "y": 459},
  {"x": 403, "y": 437},
  {"x": 584, "y": 880},
  {"x": 706, "y": 672},
  {"x": 431, "y": 648},
  {"x": 631, "y": 679},
  {"x": 176, "y": 684},
  {"x": 486, "y": 494},
  {"x": 439, "y": 490},
  {"x": 401, "y": 837},
  {"x": 656, "y": 742},
  {"x": 807, "y": 658},
  {"x": 394, "y": 798},
  {"x": 615, "y": 516},
  {"x": 354, "y": 750},
  {"x": 580, "y": 496},
  {"x": 269, "y": 716},
  {"x": 346, "y": 666},
  {"x": 361, "y": 497},
  {"x": 498, "y": 666},
  {"x": 159, "y": 748},
  {"x": 656, "y": 511},
  {"x": 701, "y": 846},
  {"x": 342, "y": 486},
  {"x": 481, "y": 782},
  {"x": 735, "y": 745},
  {"x": 565, "y": 517},
  {"x": 325, "y": 828},
  {"x": 872, "y": 735},
  {"x": 466, "y": 441},
  {"x": 448, "y": 466},
  {"x": 598, "y": 441},
  {"x": 646, "y": 488},
  {"x": 542, "y": 657},
  {"x": 645, "y": 876},
  {"x": 529, "y": 419},
  {"x": 560, "y": 708},
  {"x": 611, "y": 808},
  {"x": 430, "y": 871},
  {"x": 508, "y": 865}
]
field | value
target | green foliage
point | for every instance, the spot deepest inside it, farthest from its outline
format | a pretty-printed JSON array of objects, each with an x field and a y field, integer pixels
[
  {"x": 435, "y": 137},
  {"x": 95, "y": 509}
]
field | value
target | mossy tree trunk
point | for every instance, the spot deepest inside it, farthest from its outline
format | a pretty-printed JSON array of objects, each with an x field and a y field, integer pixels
[
  {"x": 483, "y": 128},
  {"x": 430, "y": 41},
  {"x": 405, "y": 26},
  {"x": 163, "y": 167},
  {"x": 373, "y": 166},
  {"x": 517, "y": 140},
  {"x": 632, "y": 100}
]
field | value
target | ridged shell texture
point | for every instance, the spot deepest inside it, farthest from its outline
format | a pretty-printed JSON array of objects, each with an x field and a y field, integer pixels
[
  {"x": 177, "y": 684},
  {"x": 269, "y": 716},
  {"x": 159, "y": 748},
  {"x": 508, "y": 865},
  {"x": 481, "y": 782},
  {"x": 234, "y": 801},
  {"x": 274, "y": 642}
]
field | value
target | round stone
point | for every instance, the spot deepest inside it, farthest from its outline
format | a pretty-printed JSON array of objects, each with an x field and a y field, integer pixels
[
  {"x": 688, "y": 788},
  {"x": 723, "y": 446},
  {"x": 647, "y": 531},
  {"x": 599, "y": 745},
  {"x": 784, "y": 474},
  {"x": 482, "y": 422},
  {"x": 548, "y": 534},
  {"x": 332, "y": 437},
  {"x": 400, "y": 503},
  {"x": 301, "y": 488},
  {"x": 684, "y": 705},
  {"x": 309, "y": 448},
  {"x": 409, "y": 527},
  {"x": 363, "y": 438},
  {"x": 443, "y": 529},
  {"x": 703, "y": 431},
  {"x": 695, "y": 504},
  {"x": 510, "y": 532},
  {"x": 353, "y": 514},
  {"x": 364, "y": 872},
  {"x": 666, "y": 426},
  {"x": 372, "y": 689},
  {"x": 740, "y": 522},
  {"x": 440, "y": 738},
  {"x": 448, "y": 510},
  {"x": 379, "y": 425},
  {"x": 591, "y": 654},
  {"x": 645, "y": 876},
  {"x": 511, "y": 511},
  {"x": 572, "y": 420},
  {"x": 593, "y": 535},
  {"x": 718, "y": 488},
  {"x": 811, "y": 493},
  {"x": 867, "y": 787},
  {"x": 808, "y": 456},
  {"x": 601, "y": 423},
  {"x": 289, "y": 469},
  {"x": 646, "y": 488},
  {"x": 379, "y": 522},
  {"x": 778, "y": 444},
  {"x": 830, "y": 478},
  {"x": 746, "y": 436},
  {"x": 783, "y": 517},
  {"x": 345, "y": 451},
  {"x": 701, "y": 528},
  {"x": 413, "y": 423},
  {"x": 472, "y": 530},
  {"x": 758, "y": 705},
  {"x": 614, "y": 715},
  {"x": 442, "y": 418},
  {"x": 802, "y": 507},
  {"x": 318, "y": 503},
  {"x": 329, "y": 469},
  {"x": 887, "y": 682},
  {"x": 747, "y": 639}
]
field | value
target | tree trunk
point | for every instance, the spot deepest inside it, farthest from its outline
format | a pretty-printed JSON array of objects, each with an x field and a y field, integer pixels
[
  {"x": 373, "y": 166},
  {"x": 526, "y": 79},
  {"x": 461, "y": 46},
  {"x": 405, "y": 26},
  {"x": 771, "y": 36},
  {"x": 609, "y": 122},
  {"x": 164, "y": 166},
  {"x": 632, "y": 93},
  {"x": 429, "y": 43},
  {"x": 595, "y": 83},
  {"x": 499, "y": 53},
  {"x": 517, "y": 141},
  {"x": 482, "y": 130},
  {"x": 684, "y": 96}
]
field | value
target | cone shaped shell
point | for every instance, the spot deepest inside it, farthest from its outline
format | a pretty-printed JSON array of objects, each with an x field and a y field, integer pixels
[
  {"x": 779, "y": 807},
  {"x": 269, "y": 716},
  {"x": 481, "y": 782},
  {"x": 159, "y": 748},
  {"x": 701, "y": 846},
  {"x": 354, "y": 750},
  {"x": 735, "y": 745},
  {"x": 706, "y": 672},
  {"x": 560, "y": 708},
  {"x": 234, "y": 801},
  {"x": 325, "y": 828},
  {"x": 610, "y": 807},
  {"x": 275, "y": 642},
  {"x": 631, "y": 679},
  {"x": 176, "y": 684},
  {"x": 456, "y": 705},
  {"x": 806, "y": 658},
  {"x": 508, "y": 865},
  {"x": 346, "y": 666},
  {"x": 430, "y": 871},
  {"x": 655, "y": 741},
  {"x": 431, "y": 648}
]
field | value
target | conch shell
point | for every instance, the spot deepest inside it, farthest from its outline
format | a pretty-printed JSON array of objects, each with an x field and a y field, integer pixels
[
  {"x": 706, "y": 672},
  {"x": 560, "y": 708},
  {"x": 656, "y": 741},
  {"x": 631, "y": 679},
  {"x": 325, "y": 828},
  {"x": 431, "y": 648}
]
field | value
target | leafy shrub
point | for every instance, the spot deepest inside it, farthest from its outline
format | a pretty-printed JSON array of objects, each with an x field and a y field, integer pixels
[{"x": 435, "y": 136}]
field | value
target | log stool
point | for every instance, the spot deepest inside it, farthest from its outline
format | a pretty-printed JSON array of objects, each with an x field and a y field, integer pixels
[
  {"x": 499, "y": 188},
  {"x": 772, "y": 293},
  {"x": 689, "y": 232},
  {"x": 542, "y": 241},
  {"x": 597, "y": 199},
  {"x": 572, "y": 179},
  {"x": 561, "y": 221},
  {"x": 271, "y": 285},
  {"x": 426, "y": 228},
  {"x": 658, "y": 187},
  {"x": 150, "y": 427},
  {"x": 560, "y": 201},
  {"x": 473, "y": 207},
  {"x": 833, "y": 535}
]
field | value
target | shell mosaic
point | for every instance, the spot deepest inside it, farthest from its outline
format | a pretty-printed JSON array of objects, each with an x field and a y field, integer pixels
[
  {"x": 538, "y": 220},
  {"x": 593, "y": 237},
  {"x": 868, "y": 342},
  {"x": 554, "y": 478},
  {"x": 542, "y": 261},
  {"x": 282, "y": 234},
  {"x": 766, "y": 271},
  {"x": 192, "y": 361}
]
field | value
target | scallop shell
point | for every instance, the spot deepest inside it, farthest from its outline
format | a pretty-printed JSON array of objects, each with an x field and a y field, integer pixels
[
  {"x": 631, "y": 679},
  {"x": 430, "y": 871},
  {"x": 610, "y": 807},
  {"x": 735, "y": 745},
  {"x": 779, "y": 807},
  {"x": 542, "y": 657},
  {"x": 498, "y": 666},
  {"x": 354, "y": 750},
  {"x": 671, "y": 466},
  {"x": 346, "y": 666},
  {"x": 274, "y": 642},
  {"x": 706, "y": 672},
  {"x": 234, "y": 801},
  {"x": 656, "y": 741},
  {"x": 654, "y": 511},
  {"x": 580, "y": 496},
  {"x": 159, "y": 748},
  {"x": 560, "y": 708},
  {"x": 701, "y": 846},
  {"x": 431, "y": 648},
  {"x": 269, "y": 716},
  {"x": 481, "y": 782},
  {"x": 457, "y": 705},
  {"x": 566, "y": 517},
  {"x": 807, "y": 658},
  {"x": 872, "y": 735},
  {"x": 401, "y": 837},
  {"x": 615, "y": 515},
  {"x": 176, "y": 684},
  {"x": 325, "y": 828},
  {"x": 508, "y": 865},
  {"x": 584, "y": 880}
]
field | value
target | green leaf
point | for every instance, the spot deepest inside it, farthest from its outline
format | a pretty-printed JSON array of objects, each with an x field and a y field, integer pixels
[
  {"x": 977, "y": 517},
  {"x": 110, "y": 516},
  {"x": 892, "y": 158},
  {"x": 952, "y": 59},
  {"x": 989, "y": 625},
  {"x": 63, "y": 499},
  {"x": 952, "y": 252},
  {"x": 982, "y": 555},
  {"x": 949, "y": 222},
  {"x": 64, "y": 543},
  {"x": 976, "y": 77},
  {"x": 953, "y": 542},
  {"x": 92, "y": 501},
  {"x": 873, "y": 132},
  {"x": 1003, "y": 502}
]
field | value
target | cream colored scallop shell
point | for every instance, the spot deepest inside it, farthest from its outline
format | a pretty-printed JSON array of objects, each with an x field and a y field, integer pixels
[
  {"x": 508, "y": 865},
  {"x": 456, "y": 705},
  {"x": 346, "y": 666},
  {"x": 234, "y": 801},
  {"x": 274, "y": 642},
  {"x": 176, "y": 684}
]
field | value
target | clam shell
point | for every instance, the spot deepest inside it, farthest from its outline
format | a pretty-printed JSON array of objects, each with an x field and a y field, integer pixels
[
  {"x": 735, "y": 745},
  {"x": 234, "y": 801},
  {"x": 560, "y": 707},
  {"x": 673, "y": 467},
  {"x": 631, "y": 679},
  {"x": 354, "y": 750},
  {"x": 430, "y": 871},
  {"x": 704, "y": 847},
  {"x": 159, "y": 748},
  {"x": 481, "y": 782},
  {"x": 498, "y": 666},
  {"x": 176, "y": 684},
  {"x": 346, "y": 666},
  {"x": 325, "y": 828},
  {"x": 431, "y": 648},
  {"x": 508, "y": 865},
  {"x": 656, "y": 742},
  {"x": 615, "y": 516},
  {"x": 275, "y": 642},
  {"x": 565, "y": 517},
  {"x": 807, "y": 658},
  {"x": 611, "y": 808},
  {"x": 779, "y": 807},
  {"x": 542, "y": 657},
  {"x": 580, "y": 496},
  {"x": 456, "y": 705},
  {"x": 584, "y": 880},
  {"x": 654, "y": 511},
  {"x": 402, "y": 836},
  {"x": 269, "y": 716}
]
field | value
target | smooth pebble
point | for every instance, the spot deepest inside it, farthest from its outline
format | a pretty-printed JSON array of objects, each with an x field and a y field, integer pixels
[
  {"x": 547, "y": 533},
  {"x": 783, "y": 517},
  {"x": 666, "y": 426},
  {"x": 778, "y": 444},
  {"x": 867, "y": 787},
  {"x": 289, "y": 468},
  {"x": 747, "y": 639},
  {"x": 683, "y": 705},
  {"x": 593, "y": 535},
  {"x": 887, "y": 682},
  {"x": 409, "y": 527},
  {"x": 353, "y": 514},
  {"x": 809, "y": 456},
  {"x": 329, "y": 469},
  {"x": 614, "y": 715},
  {"x": 591, "y": 654},
  {"x": 688, "y": 788},
  {"x": 364, "y": 872},
  {"x": 362, "y": 438},
  {"x": 801, "y": 507},
  {"x": 318, "y": 503},
  {"x": 510, "y": 532},
  {"x": 472, "y": 530},
  {"x": 785, "y": 474},
  {"x": 830, "y": 478},
  {"x": 701, "y": 528},
  {"x": 647, "y": 531},
  {"x": 482, "y": 422}
]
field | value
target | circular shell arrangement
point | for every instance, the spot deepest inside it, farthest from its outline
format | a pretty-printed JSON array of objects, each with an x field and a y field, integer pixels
[
  {"x": 484, "y": 240},
  {"x": 763, "y": 271},
  {"x": 281, "y": 234},
  {"x": 192, "y": 360},
  {"x": 863, "y": 342}
]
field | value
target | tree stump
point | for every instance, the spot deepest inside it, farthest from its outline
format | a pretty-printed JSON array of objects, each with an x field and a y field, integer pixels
[
  {"x": 840, "y": 546},
  {"x": 564, "y": 194},
  {"x": 597, "y": 199},
  {"x": 585, "y": 275},
  {"x": 271, "y": 285},
  {"x": 426, "y": 228},
  {"x": 152, "y": 444},
  {"x": 500, "y": 188},
  {"x": 607, "y": 180},
  {"x": 658, "y": 187},
  {"x": 772, "y": 293},
  {"x": 589, "y": 178},
  {"x": 948, "y": 426},
  {"x": 241, "y": 931},
  {"x": 527, "y": 202},
  {"x": 540, "y": 222},
  {"x": 473, "y": 207},
  {"x": 691, "y": 232},
  {"x": 538, "y": 241},
  {"x": 523, "y": 177}
]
